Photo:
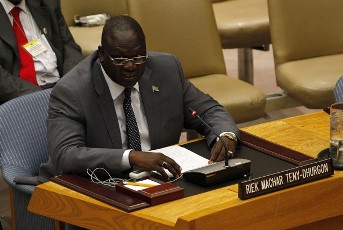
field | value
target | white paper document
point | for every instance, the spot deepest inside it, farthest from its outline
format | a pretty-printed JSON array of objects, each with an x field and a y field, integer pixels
[
  {"x": 187, "y": 159},
  {"x": 144, "y": 184}
]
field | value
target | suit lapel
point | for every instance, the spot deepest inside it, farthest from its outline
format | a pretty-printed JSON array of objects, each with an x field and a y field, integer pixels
[
  {"x": 150, "y": 92},
  {"x": 106, "y": 107},
  {"x": 6, "y": 31},
  {"x": 41, "y": 16}
]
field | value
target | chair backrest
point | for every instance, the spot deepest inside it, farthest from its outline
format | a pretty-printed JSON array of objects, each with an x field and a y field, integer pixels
[
  {"x": 23, "y": 131},
  {"x": 303, "y": 29},
  {"x": 186, "y": 29},
  {"x": 70, "y": 8}
]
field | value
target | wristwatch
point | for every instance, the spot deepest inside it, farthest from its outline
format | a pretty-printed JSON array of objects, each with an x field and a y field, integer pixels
[{"x": 229, "y": 135}]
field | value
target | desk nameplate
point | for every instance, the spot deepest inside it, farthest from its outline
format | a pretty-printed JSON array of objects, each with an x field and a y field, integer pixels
[{"x": 285, "y": 179}]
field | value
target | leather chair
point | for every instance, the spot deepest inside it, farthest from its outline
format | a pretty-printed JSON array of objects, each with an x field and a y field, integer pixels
[
  {"x": 23, "y": 147},
  {"x": 190, "y": 33},
  {"x": 243, "y": 24},
  {"x": 89, "y": 38},
  {"x": 307, "y": 40}
]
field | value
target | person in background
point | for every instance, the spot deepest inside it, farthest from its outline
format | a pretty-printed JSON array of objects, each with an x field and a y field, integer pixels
[{"x": 36, "y": 47}]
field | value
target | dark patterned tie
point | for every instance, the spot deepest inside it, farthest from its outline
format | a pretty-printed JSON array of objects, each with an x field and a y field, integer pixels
[{"x": 132, "y": 132}]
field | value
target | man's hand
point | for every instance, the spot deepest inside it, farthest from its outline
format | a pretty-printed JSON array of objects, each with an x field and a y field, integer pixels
[
  {"x": 151, "y": 161},
  {"x": 218, "y": 151}
]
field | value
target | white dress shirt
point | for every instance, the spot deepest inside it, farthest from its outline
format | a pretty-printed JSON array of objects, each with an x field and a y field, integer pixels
[
  {"x": 138, "y": 108},
  {"x": 46, "y": 62}
]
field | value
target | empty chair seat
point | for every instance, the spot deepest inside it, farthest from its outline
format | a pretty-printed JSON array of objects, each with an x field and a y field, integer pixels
[
  {"x": 243, "y": 24},
  {"x": 89, "y": 38},
  {"x": 308, "y": 48}
]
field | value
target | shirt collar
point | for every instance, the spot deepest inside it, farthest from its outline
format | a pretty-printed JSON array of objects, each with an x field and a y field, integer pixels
[
  {"x": 8, "y": 6},
  {"x": 115, "y": 89}
]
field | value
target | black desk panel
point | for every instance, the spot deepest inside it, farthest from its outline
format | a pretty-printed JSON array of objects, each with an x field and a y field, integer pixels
[{"x": 261, "y": 164}]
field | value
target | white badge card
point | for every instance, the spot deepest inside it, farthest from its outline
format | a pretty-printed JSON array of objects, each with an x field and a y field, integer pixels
[{"x": 35, "y": 47}]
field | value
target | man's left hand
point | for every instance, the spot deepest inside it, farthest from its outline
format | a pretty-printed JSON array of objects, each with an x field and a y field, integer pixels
[{"x": 218, "y": 151}]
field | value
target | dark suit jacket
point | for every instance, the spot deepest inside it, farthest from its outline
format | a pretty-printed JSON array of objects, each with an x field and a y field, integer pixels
[
  {"x": 48, "y": 15},
  {"x": 83, "y": 129}
]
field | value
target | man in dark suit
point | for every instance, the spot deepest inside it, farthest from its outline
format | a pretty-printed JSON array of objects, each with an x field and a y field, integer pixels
[
  {"x": 42, "y": 20},
  {"x": 87, "y": 122}
]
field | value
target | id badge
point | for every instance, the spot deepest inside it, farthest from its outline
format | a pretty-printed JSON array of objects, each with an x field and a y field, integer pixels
[{"x": 35, "y": 47}]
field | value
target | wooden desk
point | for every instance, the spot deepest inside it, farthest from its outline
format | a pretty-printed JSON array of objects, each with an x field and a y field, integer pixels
[{"x": 221, "y": 208}]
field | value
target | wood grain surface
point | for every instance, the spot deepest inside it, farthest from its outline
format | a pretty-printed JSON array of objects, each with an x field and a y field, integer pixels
[{"x": 220, "y": 208}]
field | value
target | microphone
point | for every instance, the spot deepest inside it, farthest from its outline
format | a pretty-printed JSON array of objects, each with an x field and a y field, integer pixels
[{"x": 217, "y": 172}]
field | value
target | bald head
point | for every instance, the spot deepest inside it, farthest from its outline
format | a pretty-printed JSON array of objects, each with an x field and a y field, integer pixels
[{"x": 121, "y": 24}]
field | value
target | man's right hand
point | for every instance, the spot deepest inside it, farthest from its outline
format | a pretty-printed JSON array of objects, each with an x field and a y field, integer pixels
[{"x": 152, "y": 161}]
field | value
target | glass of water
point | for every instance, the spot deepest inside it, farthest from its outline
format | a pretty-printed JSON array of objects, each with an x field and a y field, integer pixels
[{"x": 336, "y": 134}]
